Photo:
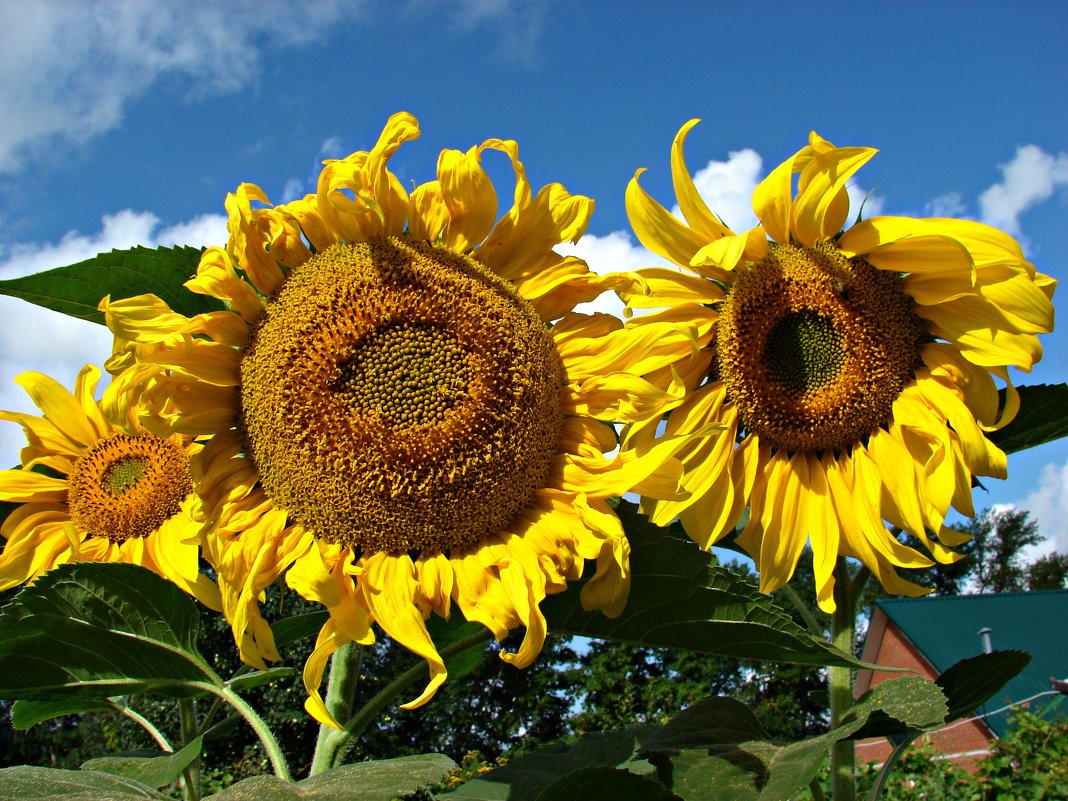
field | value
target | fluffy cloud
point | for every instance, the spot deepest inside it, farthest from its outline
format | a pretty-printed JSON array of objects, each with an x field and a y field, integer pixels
[
  {"x": 34, "y": 338},
  {"x": 1049, "y": 506},
  {"x": 69, "y": 68},
  {"x": 1030, "y": 178}
]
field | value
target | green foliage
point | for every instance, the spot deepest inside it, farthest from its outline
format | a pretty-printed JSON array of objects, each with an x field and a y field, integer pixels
[
  {"x": 1031, "y": 764},
  {"x": 1041, "y": 418},
  {"x": 152, "y": 769},
  {"x": 77, "y": 289},
  {"x": 93, "y": 631},
  {"x": 680, "y": 598}
]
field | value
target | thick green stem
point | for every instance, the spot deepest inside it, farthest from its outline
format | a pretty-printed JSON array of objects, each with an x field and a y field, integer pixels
[
  {"x": 840, "y": 682},
  {"x": 355, "y": 727},
  {"x": 187, "y": 712},
  {"x": 263, "y": 731},
  {"x": 340, "y": 694}
]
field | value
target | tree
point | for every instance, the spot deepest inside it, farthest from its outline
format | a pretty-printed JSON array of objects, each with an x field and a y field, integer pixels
[{"x": 1050, "y": 572}]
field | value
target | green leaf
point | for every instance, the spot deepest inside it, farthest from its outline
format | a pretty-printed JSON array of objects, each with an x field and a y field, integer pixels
[
  {"x": 680, "y": 599},
  {"x": 153, "y": 771},
  {"x": 298, "y": 627},
  {"x": 446, "y": 632},
  {"x": 92, "y": 630},
  {"x": 77, "y": 289},
  {"x": 525, "y": 777},
  {"x": 25, "y": 714},
  {"x": 605, "y": 784},
  {"x": 718, "y": 749},
  {"x": 381, "y": 780},
  {"x": 973, "y": 681},
  {"x": 964, "y": 686},
  {"x": 1043, "y": 417},
  {"x": 246, "y": 681},
  {"x": 25, "y": 783}
]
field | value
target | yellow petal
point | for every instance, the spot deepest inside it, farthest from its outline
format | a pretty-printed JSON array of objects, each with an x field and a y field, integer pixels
[
  {"x": 469, "y": 197},
  {"x": 389, "y": 589},
  {"x": 59, "y": 407},
  {"x": 657, "y": 229},
  {"x": 693, "y": 207}
]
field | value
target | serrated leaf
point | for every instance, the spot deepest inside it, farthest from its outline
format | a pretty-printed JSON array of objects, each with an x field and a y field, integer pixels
[
  {"x": 965, "y": 686},
  {"x": 153, "y": 771},
  {"x": 605, "y": 784},
  {"x": 246, "y": 681},
  {"x": 25, "y": 714},
  {"x": 77, "y": 289},
  {"x": 1043, "y": 417},
  {"x": 526, "y": 776},
  {"x": 25, "y": 783},
  {"x": 680, "y": 599},
  {"x": 380, "y": 780},
  {"x": 93, "y": 630}
]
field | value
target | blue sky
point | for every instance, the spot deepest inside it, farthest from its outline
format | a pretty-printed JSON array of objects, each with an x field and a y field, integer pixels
[{"x": 127, "y": 123}]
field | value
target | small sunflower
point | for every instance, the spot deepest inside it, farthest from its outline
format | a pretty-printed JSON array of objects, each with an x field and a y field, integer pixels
[
  {"x": 405, "y": 413},
  {"x": 103, "y": 492},
  {"x": 853, "y": 370}
]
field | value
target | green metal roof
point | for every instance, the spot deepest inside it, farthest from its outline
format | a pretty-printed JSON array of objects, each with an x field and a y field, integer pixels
[{"x": 946, "y": 629}]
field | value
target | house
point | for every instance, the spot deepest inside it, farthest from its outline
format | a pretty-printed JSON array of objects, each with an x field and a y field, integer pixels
[{"x": 930, "y": 634}]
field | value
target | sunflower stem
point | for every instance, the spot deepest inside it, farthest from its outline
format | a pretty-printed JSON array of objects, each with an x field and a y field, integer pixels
[
  {"x": 147, "y": 725},
  {"x": 340, "y": 695},
  {"x": 263, "y": 731},
  {"x": 840, "y": 682},
  {"x": 355, "y": 727},
  {"x": 811, "y": 623},
  {"x": 187, "y": 713}
]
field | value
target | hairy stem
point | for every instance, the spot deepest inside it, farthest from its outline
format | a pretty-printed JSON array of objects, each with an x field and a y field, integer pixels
[
  {"x": 884, "y": 771},
  {"x": 147, "y": 725},
  {"x": 263, "y": 731},
  {"x": 187, "y": 712},
  {"x": 840, "y": 682},
  {"x": 340, "y": 694}
]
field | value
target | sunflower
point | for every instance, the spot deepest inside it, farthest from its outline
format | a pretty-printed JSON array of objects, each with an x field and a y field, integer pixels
[
  {"x": 405, "y": 412},
  {"x": 95, "y": 490},
  {"x": 853, "y": 370}
]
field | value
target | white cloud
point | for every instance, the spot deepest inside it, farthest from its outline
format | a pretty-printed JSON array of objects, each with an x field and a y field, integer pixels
[
  {"x": 34, "y": 338},
  {"x": 1049, "y": 506},
  {"x": 1031, "y": 177},
  {"x": 951, "y": 204},
  {"x": 69, "y": 68}
]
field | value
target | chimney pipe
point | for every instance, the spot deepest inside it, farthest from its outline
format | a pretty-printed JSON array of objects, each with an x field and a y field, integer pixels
[{"x": 984, "y": 635}]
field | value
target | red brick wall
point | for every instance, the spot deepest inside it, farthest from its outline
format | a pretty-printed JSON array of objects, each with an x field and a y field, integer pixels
[{"x": 962, "y": 742}]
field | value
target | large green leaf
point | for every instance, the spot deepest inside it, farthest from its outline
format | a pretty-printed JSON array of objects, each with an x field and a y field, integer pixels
[
  {"x": 97, "y": 630},
  {"x": 77, "y": 289},
  {"x": 382, "y": 780},
  {"x": 605, "y": 784},
  {"x": 25, "y": 783},
  {"x": 25, "y": 714},
  {"x": 153, "y": 770},
  {"x": 680, "y": 599},
  {"x": 1043, "y": 417},
  {"x": 717, "y": 748},
  {"x": 526, "y": 777}
]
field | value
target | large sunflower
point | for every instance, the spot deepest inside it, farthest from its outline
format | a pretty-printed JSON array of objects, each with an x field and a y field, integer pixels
[
  {"x": 853, "y": 369},
  {"x": 393, "y": 418},
  {"x": 103, "y": 491}
]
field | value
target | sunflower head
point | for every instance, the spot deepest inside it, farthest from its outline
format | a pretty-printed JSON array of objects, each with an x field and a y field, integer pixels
[
  {"x": 404, "y": 411},
  {"x": 854, "y": 367},
  {"x": 96, "y": 489}
]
